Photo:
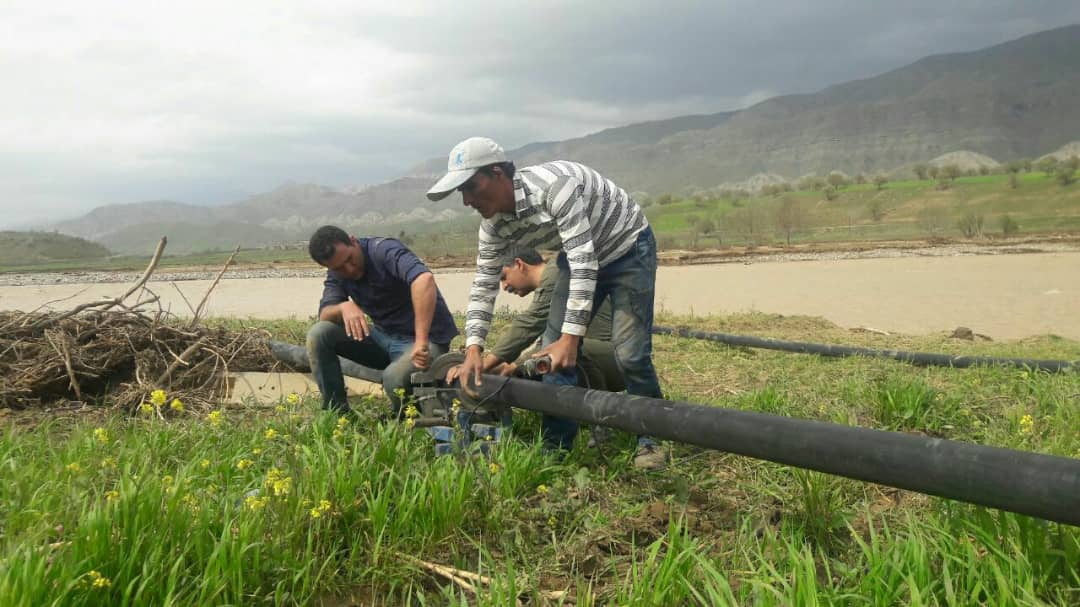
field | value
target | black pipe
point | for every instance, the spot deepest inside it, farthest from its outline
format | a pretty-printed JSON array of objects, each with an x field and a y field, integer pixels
[
  {"x": 297, "y": 358},
  {"x": 1038, "y": 485},
  {"x": 916, "y": 358}
]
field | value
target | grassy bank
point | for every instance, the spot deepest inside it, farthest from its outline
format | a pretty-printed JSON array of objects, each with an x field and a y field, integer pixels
[{"x": 279, "y": 504}]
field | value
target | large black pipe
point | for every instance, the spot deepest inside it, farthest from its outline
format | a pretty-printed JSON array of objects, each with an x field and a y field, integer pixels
[
  {"x": 297, "y": 358},
  {"x": 917, "y": 358},
  {"x": 1026, "y": 483}
]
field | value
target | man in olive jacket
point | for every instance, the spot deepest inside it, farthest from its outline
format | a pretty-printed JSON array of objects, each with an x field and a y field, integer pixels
[{"x": 524, "y": 272}]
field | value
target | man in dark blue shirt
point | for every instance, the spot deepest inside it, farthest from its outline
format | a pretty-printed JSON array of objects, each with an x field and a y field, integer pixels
[{"x": 410, "y": 323}]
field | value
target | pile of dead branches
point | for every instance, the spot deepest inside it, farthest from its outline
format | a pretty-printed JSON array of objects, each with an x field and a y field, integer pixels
[{"x": 116, "y": 353}]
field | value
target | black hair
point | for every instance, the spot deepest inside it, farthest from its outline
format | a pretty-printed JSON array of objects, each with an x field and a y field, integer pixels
[
  {"x": 506, "y": 167},
  {"x": 321, "y": 245},
  {"x": 526, "y": 254}
]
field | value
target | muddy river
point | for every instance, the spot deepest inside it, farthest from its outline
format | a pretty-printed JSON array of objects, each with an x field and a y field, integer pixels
[{"x": 1003, "y": 296}]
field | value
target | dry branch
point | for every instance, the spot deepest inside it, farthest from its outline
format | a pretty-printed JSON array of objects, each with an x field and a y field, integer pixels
[
  {"x": 49, "y": 320},
  {"x": 116, "y": 354},
  {"x": 228, "y": 262}
]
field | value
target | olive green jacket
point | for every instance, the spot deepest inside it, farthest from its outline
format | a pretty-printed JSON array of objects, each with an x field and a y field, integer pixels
[{"x": 598, "y": 355}]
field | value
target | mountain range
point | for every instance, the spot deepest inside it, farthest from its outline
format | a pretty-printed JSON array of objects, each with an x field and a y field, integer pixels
[{"x": 1009, "y": 101}]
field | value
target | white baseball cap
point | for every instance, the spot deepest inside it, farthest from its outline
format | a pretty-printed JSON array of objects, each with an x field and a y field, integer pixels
[{"x": 465, "y": 159}]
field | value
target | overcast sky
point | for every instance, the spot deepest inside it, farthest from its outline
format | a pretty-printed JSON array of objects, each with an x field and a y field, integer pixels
[{"x": 208, "y": 102}]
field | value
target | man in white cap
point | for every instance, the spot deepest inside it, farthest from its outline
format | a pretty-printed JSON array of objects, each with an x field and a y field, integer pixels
[{"x": 606, "y": 250}]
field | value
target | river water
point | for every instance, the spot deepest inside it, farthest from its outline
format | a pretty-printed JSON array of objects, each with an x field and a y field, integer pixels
[{"x": 1003, "y": 296}]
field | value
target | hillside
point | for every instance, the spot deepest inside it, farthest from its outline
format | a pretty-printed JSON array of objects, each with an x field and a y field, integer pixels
[{"x": 28, "y": 248}]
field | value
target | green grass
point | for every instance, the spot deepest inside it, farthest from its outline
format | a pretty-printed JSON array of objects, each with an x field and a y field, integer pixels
[
  {"x": 164, "y": 510},
  {"x": 1039, "y": 205}
]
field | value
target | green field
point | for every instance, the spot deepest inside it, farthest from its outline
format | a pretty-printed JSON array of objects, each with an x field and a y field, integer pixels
[
  {"x": 278, "y": 504},
  {"x": 908, "y": 210}
]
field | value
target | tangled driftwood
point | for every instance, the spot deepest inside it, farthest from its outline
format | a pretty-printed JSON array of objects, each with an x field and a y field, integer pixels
[{"x": 116, "y": 353}]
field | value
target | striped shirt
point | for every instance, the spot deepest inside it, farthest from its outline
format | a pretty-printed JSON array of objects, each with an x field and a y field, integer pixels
[{"x": 559, "y": 206}]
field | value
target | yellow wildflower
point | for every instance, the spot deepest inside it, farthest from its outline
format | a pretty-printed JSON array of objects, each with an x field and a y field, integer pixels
[
  {"x": 204, "y": 464},
  {"x": 293, "y": 398},
  {"x": 158, "y": 397},
  {"x": 281, "y": 486},
  {"x": 191, "y": 503},
  {"x": 493, "y": 467},
  {"x": 109, "y": 463},
  {"x": 244, "y": 464},
  {"x": 102, "y": 435},
  {"x": 342, "y": 422},
  {"x": 112, "y": 496},
  {"x": 98, "y": 581},
  {"x": 410, "y": 422},
  {"x": 411, "y": 411},
  {"x": 280, "y": 409},
  {"x": 254, "y": 502},
  {"x": 542, "y": 489},
  {"x": 270, "y": 434},
  {"x": 256, "y": 451},
  {"x": 167, "y": 480},
  {"x": 176, "y": 405},
  {"x": 552, "y": 521},
  {"x": 74, "y": 467},
  {"x": 146, "y": 408},
  {"x": 323, "y": 508},
  {"x": 214, "y": 417},
  {"x": 1027, "y": 424}
]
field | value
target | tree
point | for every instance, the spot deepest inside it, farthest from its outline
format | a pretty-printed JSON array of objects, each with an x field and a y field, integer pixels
[
  {"x": 665, "y": 199},
  {"x": 921, "y": 171},
  {"x": 695, "y": 229},
  {"x": 830, "y": 193},
  {"x": 746, "y": 222},
  {"x": 789, "y": 217},
  {"x": 1014, "y": 182},
  {"x": 1047, "y": 165},
  {"x": 707, "y": 226},
  {"x": 875, "y": 209},
  {"x": 836, "y": 179},
  {"x": 1065, "y": 174},
  {"x": 934, "y": 220},
  {"x": 932, "y": 172},
  {"x": 971, "y": 223},
  {"x": 880, "y": 181},
  {"x": 1008, "y": 226},
  {"x": 950, "y": 172}
]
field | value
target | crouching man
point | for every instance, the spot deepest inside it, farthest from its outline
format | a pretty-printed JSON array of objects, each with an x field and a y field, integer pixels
[
  {"x": 381, "y": 278},
  {"x": 523, "y": 272}
]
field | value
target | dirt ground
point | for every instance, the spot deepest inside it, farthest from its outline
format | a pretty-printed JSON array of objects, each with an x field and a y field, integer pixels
[{"x": 1002, "y": 296}]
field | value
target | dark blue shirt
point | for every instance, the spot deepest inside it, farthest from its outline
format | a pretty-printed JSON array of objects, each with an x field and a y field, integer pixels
[{"x": 384, "y": 291}]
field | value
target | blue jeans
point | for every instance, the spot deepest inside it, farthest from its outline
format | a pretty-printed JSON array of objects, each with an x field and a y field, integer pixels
[
  {"x": 630, "y": 282},
  {"x": 379, "y": 350}
]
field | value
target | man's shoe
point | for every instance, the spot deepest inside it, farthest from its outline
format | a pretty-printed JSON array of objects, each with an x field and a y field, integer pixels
[{"x": 650, "y": 457}]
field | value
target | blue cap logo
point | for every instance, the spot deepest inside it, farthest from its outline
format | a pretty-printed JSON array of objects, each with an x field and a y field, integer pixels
[{"x": 460, "y": 158}]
